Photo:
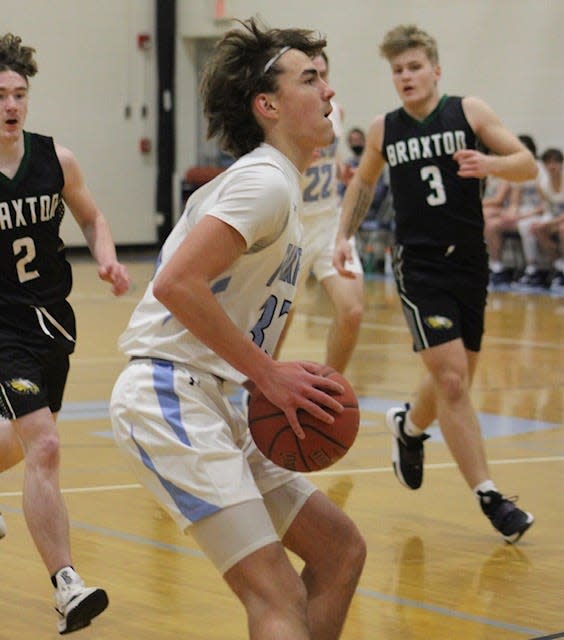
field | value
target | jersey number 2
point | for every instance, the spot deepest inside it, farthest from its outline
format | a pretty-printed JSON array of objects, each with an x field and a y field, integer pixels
[
  {"x": 25, "y": 247},
  {"x": 432, "y": 175}
]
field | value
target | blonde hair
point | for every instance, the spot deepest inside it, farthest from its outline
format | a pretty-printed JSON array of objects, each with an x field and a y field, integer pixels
[{"x": 408, "y": 36}]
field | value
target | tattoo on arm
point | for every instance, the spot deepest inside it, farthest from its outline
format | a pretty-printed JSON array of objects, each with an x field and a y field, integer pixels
[{"x": 359, "y": 209}]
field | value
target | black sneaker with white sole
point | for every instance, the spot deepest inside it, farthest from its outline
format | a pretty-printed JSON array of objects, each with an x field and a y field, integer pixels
[
  {"x": 407, "y": 451},
  {"x": 505, "y": 516}
]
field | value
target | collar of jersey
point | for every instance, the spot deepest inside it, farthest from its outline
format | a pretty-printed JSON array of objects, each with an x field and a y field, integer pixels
[{"x": 430, "y": 117}]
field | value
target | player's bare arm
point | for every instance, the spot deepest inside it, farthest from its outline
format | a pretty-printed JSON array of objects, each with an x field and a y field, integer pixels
[
  {"x": 363, "y": 197},
  {"x": 359, "y": 194},
  {"x": 360, "y": 191},
  {"x": 183, "y": 286},
  {"x": 508, "y": 158},
  {"x": 92, "y": 222}
]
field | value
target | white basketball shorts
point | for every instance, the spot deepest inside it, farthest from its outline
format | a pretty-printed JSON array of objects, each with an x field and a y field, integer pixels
[
  {"x": 320, "y": 231},
  {"x": 191, "y": 447}
]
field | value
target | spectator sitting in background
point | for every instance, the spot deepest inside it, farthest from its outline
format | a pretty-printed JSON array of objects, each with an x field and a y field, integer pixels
[
  {"x": 533, "y": 200},
  {"x": 550, "y": 233},
  {"x": 494, "y": 202},
  {"x": 526, "y": 204}
]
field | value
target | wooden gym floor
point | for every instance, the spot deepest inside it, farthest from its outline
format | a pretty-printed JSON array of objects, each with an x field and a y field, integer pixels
[{"x": 436, "y": 569}]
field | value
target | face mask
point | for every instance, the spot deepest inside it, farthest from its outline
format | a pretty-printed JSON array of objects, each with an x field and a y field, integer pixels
[{"x": 357, "y": 149}]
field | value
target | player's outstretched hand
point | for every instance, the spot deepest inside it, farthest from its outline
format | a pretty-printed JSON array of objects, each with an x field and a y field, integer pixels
[
  {"x": 116, "y": 274},
  {"x": 297, "y": 385}
]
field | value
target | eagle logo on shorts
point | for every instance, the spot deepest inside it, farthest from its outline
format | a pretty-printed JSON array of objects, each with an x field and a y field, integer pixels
[
  {"x": 23, "y": 387},
  {"x": 438, "y": 322}
]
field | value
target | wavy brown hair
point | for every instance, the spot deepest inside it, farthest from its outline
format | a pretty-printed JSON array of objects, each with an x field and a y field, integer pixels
[
  {"x": 16, "y": 57},
  {"x": 235, "y": 74}
]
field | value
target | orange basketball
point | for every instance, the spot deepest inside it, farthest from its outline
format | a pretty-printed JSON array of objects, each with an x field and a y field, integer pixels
[{"x": 323, "y": 444}]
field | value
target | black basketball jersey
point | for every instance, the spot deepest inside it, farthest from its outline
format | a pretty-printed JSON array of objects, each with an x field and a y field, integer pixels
[
  {"x": 433, "y": 205},
  {"x": 33, "y": 267}
]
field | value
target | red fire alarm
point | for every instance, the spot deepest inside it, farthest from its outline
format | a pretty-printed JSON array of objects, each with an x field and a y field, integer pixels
[
  {"x": 145, "y": 145},
  {"x": 144, "y": 40},
  {"x": 219, "y": 10}
]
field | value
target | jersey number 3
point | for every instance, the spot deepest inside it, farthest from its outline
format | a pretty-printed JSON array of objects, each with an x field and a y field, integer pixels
[
  {"x": 24, "y": 251},
  {"x": 432, "y": 175}
]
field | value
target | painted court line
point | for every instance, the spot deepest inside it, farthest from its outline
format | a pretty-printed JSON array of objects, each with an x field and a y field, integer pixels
[
  {"x": 450, "y": 613},
  {"x": 361, "y": 591},
  {"x": 327, "y": 473},
  {"x": 493, "y": 425}
]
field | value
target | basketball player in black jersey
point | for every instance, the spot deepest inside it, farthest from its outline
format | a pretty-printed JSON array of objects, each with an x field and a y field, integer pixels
[
  {"x": 37, "y": 327},
  {"x": 431, "y": 145}
]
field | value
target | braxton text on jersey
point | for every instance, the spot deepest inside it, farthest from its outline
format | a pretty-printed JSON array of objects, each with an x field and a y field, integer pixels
[{"x": 437, "y": 144}]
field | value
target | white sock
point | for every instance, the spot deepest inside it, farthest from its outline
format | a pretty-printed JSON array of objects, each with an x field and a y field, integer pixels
[
  {"x": 496, "y": 266},
  {"x": 410, "y": 429},
  {"x": 484, "y": 487}
]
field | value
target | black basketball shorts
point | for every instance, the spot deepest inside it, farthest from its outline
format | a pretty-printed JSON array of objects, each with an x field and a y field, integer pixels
[
  {"x": 443, "y": 294},
  {"x": 35, "y": 344}
]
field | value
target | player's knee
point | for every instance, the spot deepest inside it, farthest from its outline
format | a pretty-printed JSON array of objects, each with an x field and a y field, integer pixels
[
  {"x": 350, "y": 316},
  {"x": 356, "y": 550},
  {"x": 45, "y": 451},
  {"x": 452, "y": 385},
  {"x": 349, "y": 553},
  {"x": 355, "y": 314}
]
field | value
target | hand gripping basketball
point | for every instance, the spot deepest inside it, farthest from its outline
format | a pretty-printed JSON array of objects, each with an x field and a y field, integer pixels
[{"x": 323, "y": 444}]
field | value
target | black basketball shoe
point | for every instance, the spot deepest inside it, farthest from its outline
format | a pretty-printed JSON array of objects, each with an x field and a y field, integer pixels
[{"x": 407, "y": 451}]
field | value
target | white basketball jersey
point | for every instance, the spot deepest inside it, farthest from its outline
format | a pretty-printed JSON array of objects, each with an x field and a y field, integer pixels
[
  {"x": 320, "y": 178},
  {"x": 555, "y": 199},
  {"x": 260, "y": 196}
]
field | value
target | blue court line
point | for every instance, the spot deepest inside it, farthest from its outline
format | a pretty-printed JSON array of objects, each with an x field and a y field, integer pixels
[
  {"x": 493, "y": 425},
  {"x": 443, "y": 611},
  {"x": 122, "y": 536},
  {"x": 367, "y": 593}
]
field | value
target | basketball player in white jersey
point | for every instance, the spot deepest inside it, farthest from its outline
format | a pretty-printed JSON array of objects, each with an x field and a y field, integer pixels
[
  {"x": 213, "y": 313},
  {"x": 321, "y": 220}
]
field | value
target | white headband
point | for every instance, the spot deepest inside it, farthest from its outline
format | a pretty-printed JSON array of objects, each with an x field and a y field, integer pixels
[{"x": 275, "y": 58}]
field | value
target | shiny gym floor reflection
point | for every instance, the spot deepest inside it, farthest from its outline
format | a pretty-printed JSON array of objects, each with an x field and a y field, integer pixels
[{"x": 436, "y": 569}]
